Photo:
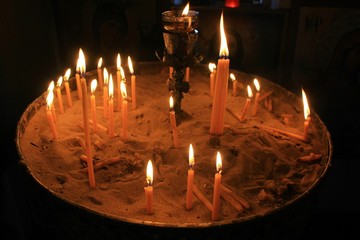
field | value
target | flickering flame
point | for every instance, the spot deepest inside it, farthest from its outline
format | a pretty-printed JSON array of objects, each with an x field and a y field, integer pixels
[
  {"x": 130, "y": 65},
  {"x": 171, "y": 102},
  {"x": 59, "y": 81},
  {"x": 106, "y": 77},
  {"x": 250, "y": 94},
  {"x": 51, "y": 86},
  {"x": 49, "y": 99},
  {"x": 78, "y": 65},
  {"x": 306, "y": 105},
  {"x": 224, "y": 51},
  {"x": 191, "y": 156},
  {"x": 100, "y": 62},
  {"x": 93, "y": 85},
  {"x": 149, "y": 173},
  {"x": 212, "y": 66},
  {"x": 186, "y": 10},
  {"x": 232, "y": 77},
  {"x": 122, "y": 73},
  {"x": 81, "y": 62},
  {"x": 257, "y": 84},
  {"x": 111, "y": 86},
  {"x": 67, "y": 74},
  {"x": 118, "y": 62},
  {"x": 218, "y": 162},
  {"x": 123, "y": 89}
]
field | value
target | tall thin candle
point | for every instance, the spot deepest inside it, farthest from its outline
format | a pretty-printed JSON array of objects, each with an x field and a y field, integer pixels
[
  {"x": 221, "y": 86},
  {"x": 58, "y": 94},
  {"x": 217, "y": 185},
  {"x": 173, "y": 123},
  {"x": 234, "y": 84},
  {"x": 118, "y": 80},
  {"x": 100, "y": 74},
  {"x": 111, "y": 106},
  {"x": 77, "y": 76},
  {"x": 93, "y": 86},
  {"x": 67, "y": 87},
  {"x": 212, "y": 67},
  {"x": 306, "y": 115},
  {"x": 124, "y": 110},
  {"x": 149, "y": 188},
  {"x": 190, "y": 179},
  {"x": 257, "y": 95},
  {"x": 51, "y": 89},
  {"x": 247, "y": 103},
  {"x": 133, "y": 84},
  {"x": 106, "y": 94},
  {"x": 49, "y": 101}
]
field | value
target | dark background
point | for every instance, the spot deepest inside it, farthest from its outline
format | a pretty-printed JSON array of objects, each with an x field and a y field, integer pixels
[{"x": 39, "y": 40}]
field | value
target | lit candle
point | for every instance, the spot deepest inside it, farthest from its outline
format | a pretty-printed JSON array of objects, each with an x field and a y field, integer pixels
[
  {"x": 93, "y": 86},
  {"x": 124, "y": 110},
  {"x": 190, "y": 179},
  {"x": 173, "y": 123},
  {"x": 221, "y": 86},
  {"x": 58, "y": 94},
  {"x": 149, "y": 188},
  {"x": 133, "y": 84},
  {"x": 111, "y": 107},
  {"x": 257, "y": 95},
  {"x": 77, "y": 76},
  {"x": 67, "y": 87},
  {"x": 100, "y": 74},
  {"x": 51, "y": 89},
  {"x": 89, "y": 159},
  {"x": 212, "y": 67},
  {"x": 49, "y": 102},
  {"x": 306, "y": 115},
  {"x": 234, "y": 84},
  {"x": 187, "y": 74},
  {"x": 217, "y": 185},
  {"x": 106, "y": 94},
  {"x": 118, "y": 80},
  {"x": 247, "y": 103}
]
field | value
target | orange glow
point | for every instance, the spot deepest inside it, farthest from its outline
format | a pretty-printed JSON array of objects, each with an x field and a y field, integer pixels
[
  {"x": 232, "y": 77},
  {"x": 224, "y": 51},
  {"x": 106, "y": 77},
  {"x": 218, "y": 162},
  {"x": 118, "y": 62},
  {"x": 191, "y": 156},
  {"x": 149, "y": 173},
  {"x": 186, "y": 10},
  {"x": 306, "y": 105},
  {"x": 212, "y": 66},
  {"x": 111, "y": 87},
  {"x": 81, "y": 62},
  {"x": 67, "y": 74},
  {"x": 171, "y": 102},
  {"x": 100, "y": 62},
  {"x": 123, "y": 90},
  {"x": 93, "y": 85},
  {"x": 250, "y": 94},
  {"x": 50, "y": 99},
  {"x": 130, "y": 65},
  {"x": 257, "y": 84}
]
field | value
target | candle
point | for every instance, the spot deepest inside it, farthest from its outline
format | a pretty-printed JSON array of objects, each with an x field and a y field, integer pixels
[
  {"x": 51, "y": 89},
  {"x": 221, "y": 86},
  {"x": 190, "y": 179},
  {"x": 58, "y": 94},
  {"x": 306, "y": 114},
  {"x": 100, "y": 74},
  {"x": 247, "y": 103},
  {"x": 217, "y": 185},
  {"x": 124, "y": 110},
  {"x": 77, "y": 76},
  {"x": 106, "y": 94},
  {"x": 257, "y": 96},
  {"x": 187, "y": 74},
  {"x": 49, "y": 102},
  {"x": 67, "y": 87},
  {"x": 111, "y": 107},
  {"x": 234, "y": 84},
  {"x": 173, "y": 123},
  {"x": 149, "y": 188},
  {"x": 118, "y": 80},
  {"x": 89, "y": 159},
  {"x": 133, "y": 84},
  {"x": 212, "y": 67},
  {"x": 93, "y": 86},
  {"x": 171, "y": 71}
]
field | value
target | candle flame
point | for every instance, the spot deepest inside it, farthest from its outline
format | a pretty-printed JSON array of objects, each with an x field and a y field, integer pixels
[
  {"x": 171, "y": 102},
  {"x": 191, "y": 156},
  {"x": 111, "y": 86},
  {"x": 232, "y": 77},
  {"x": 59, "y": 81},
  {"x": 78, "y": 65},
  {"x": 123, "y": 90},
  {"x": 218, "y": 162},
  {"x": 49, "y": 99},
  {"x": 130, "y": 65},
  {"x": 118, "y": 62},
  {"x": 100, "y": 62},
  {"x": 186, "y": 10},
  {"x": 257, "y": 84},
  {"x": 93, "y": 85},
  {"x": 106, "y": 77},
  {"x": 306, "y": 105},
  {"x": 81, "y": 62},
  {"x": 250, "y": 94},
  {"x": 224, "y": 51},
  {"x": 51, "y": 86},
  {"x": 67, "y": 74},
  {"x": 149, "y": 173},
  {"x": 212, "y": 66},
  {"x": 122, "y": 73}
]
